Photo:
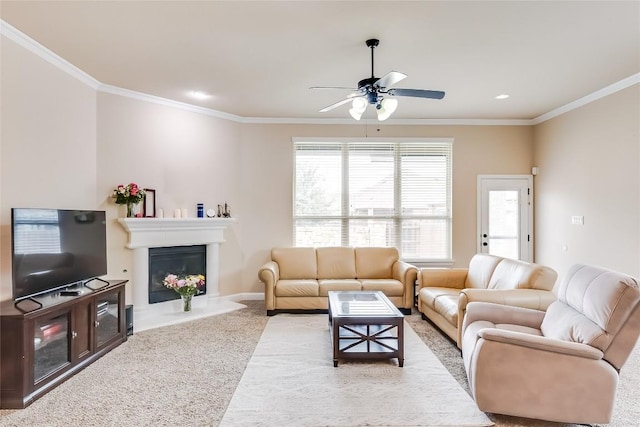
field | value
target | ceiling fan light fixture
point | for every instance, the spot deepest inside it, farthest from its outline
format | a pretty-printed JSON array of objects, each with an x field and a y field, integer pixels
[
  {"x": 355, "y": 114},
  {"x": 385, "y": 108},
  {"x": 358, "y": 106}
]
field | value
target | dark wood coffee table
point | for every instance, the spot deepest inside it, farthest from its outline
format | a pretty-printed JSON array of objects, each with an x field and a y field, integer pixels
[{"x": 365, "y": 325}]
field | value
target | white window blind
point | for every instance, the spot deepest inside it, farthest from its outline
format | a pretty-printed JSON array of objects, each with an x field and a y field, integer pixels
[{"x": 380, "y": 193}]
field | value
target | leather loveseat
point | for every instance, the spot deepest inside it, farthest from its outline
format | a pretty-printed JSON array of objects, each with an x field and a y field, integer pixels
[
  {"x": 298, "y": 279},
  {"x": 443, "y": 294}
]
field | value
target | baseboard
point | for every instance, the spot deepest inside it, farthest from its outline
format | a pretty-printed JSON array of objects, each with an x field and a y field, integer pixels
[{"x": 243, "y": 296}]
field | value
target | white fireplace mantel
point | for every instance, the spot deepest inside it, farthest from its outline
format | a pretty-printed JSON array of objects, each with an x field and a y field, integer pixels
[
  {"x": 158, "y": 232},
  {"x": 145, "y": 233}
]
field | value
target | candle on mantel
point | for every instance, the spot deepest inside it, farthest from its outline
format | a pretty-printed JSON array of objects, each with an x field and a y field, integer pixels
[{"x": 176, "y": 213}]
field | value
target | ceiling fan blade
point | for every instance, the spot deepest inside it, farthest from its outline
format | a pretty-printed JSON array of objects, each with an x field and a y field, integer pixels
[
  {"x": 332, "y": 87},
  {"x": 339, "y": 103},
  {"x": 335, "y": 105},
  {"x": 389, "y": 79},
  {"x": 417, "y": 93}
]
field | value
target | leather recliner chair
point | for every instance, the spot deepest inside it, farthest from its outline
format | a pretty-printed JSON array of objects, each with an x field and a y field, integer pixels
[{"x": 560, "y": 365}]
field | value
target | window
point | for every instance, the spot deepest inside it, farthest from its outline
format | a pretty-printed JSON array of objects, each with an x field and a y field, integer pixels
[{"x": 380, "y": 193}]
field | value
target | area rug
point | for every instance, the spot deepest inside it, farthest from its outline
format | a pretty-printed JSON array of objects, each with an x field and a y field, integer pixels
[{"x": 291, "y": 381}]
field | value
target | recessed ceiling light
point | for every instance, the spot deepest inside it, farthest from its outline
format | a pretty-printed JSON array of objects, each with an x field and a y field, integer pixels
[
  {"x": 502, "y": 96},
  {"x": 198, "y": 94}
]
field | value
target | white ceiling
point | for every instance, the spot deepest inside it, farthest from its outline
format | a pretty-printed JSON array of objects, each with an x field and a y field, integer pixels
[{"x": 258, "y": 59}]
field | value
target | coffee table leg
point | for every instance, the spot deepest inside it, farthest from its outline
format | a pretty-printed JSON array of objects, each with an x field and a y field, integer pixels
[
  {"x": 401, "y": 343},
  {"x": 335, "y": 363}
]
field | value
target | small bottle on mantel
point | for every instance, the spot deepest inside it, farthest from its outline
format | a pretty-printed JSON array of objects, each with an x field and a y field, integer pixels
[{"x": 200, "y": 210}]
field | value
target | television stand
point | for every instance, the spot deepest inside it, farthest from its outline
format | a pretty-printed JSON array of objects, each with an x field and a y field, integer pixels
[{"x": 41, "y": 348}]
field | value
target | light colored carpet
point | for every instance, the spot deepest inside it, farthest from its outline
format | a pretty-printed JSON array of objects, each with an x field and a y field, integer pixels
[{"x": 291, "y": 381}]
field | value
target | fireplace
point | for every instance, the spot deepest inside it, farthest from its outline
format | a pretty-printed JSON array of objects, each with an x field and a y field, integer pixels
[
  {"x": 178, "y": 260},
  {"x": 148, "y": 234}
]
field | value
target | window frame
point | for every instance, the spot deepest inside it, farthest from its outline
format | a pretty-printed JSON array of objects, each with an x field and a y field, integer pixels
[{"x": 397, "y": 217}]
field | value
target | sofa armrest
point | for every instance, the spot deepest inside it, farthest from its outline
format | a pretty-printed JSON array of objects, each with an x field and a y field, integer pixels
[
  {"x": 498, "y": 313},
  {"x": 407, "y": 274},
  {"x": 541, "y": 343},
  {"x": 442, "y": 277},
  {"x": 269, "y": 274},
  {"x": 535, "y": 299}
]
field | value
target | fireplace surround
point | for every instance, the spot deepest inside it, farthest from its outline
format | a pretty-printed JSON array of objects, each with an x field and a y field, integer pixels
[{"x": 145, "y": 233}]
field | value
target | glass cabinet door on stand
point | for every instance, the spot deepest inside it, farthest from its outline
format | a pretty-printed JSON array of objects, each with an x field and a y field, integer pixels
[
  {"x": 108, "y": 322},
  {"x": 51, "y": 345}
]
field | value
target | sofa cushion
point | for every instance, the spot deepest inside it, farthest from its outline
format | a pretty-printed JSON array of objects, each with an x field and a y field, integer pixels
[
  {"x": 296, "y": 263},
  {"x": 390, "y": 287},
  {"x": 297, "y": 288},
  {"x": 481, "y": 268},
  {"x": 375, "y": 263},
  {"x": 327, "y": 285},
  {"x": 444, "y": 301},
  {"x": 336, "y": 263},
  {"x": 514, "y": 274},
  {"x": 447, "y": 307},
  {"x": 605, "y": 297},
  {"x": 592, "y": 306},
  {"x": 564, "y": 323}
]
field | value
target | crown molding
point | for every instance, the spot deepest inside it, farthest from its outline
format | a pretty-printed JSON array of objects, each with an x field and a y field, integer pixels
[
  {"x": 389, "y": 122},
  {"x": 606, "y": 91},
  {"x": 49, "y": 56},
  {"x": 114, "y": 90},
  {"x": 39, "y": 50}
]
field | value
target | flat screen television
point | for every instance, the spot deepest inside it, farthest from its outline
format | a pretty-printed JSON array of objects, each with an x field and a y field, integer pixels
[{"x": 56, "y": 248}]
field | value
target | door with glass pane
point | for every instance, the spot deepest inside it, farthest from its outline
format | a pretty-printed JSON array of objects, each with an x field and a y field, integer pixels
[{"x": 505, "y": 216}]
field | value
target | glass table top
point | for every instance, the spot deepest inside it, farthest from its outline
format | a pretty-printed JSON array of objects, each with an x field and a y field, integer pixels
[{"x": 361, "y": 303}]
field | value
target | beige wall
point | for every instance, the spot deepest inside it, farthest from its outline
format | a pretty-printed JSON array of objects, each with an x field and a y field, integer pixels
[
  {"x": 267, "y": 161},
  {"x": 47, "y": 142},
  {"x": 588, "y": 165}
]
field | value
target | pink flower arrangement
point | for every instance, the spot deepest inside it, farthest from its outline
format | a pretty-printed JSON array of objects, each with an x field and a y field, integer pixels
[
  {"x": 127, "y": 194},
  {"x": 187, "y": 285}
]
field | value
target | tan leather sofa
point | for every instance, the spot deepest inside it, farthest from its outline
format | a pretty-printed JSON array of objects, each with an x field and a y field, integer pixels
[
  {"x": 443, "y": 294},
  {"x": 298, "y": 279},
  {"x": 560, "y": 365}
]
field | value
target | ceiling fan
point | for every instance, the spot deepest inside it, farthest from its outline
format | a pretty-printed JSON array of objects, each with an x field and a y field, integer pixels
[{"x": 375, "y": 91}]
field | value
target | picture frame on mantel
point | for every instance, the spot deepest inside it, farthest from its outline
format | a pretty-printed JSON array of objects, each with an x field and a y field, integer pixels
[{"x": 149, "y": 203}]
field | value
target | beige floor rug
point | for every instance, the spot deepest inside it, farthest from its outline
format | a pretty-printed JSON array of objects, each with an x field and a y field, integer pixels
[{"x": 290, "y": 381}]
